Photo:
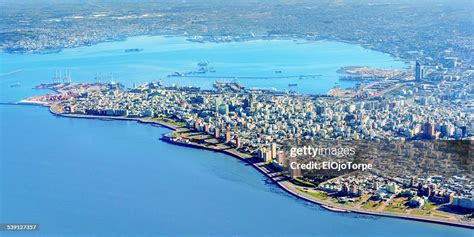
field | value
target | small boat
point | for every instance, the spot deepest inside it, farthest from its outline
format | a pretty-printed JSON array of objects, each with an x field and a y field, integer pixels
[
  {"x": 176, "y": 74},
  {"x": 203, "y": 64},
  {"x": 132, "y": 50},
  {"x": 278, "y": 71},
  {"x": 15, "y": 84}
]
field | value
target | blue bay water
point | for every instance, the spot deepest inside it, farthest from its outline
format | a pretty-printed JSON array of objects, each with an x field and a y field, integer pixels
[
  {"x": 83, "y": 177},
  {"x": 163, "y": 56}
]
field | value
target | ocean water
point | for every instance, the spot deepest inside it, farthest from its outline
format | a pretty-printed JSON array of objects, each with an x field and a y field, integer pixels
[{"x": 87, "y": 177}]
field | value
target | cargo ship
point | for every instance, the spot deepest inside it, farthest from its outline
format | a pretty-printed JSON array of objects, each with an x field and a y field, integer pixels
[{"x": 133, "y": 50}]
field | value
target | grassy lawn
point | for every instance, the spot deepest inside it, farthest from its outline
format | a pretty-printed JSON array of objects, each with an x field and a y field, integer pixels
[
  {"x": 419, "y": 212},
  {"x": 318, "y": 195},
  {"x": 370, "y": 205},
  {"x": 303, "y": 182},
  {"x": 361, "y": 198},
  {"x": 212, "y": 140},
  {"x": 170, "y": 121},
  {"x": 399, "y": 201},
  {"x": 350, "y": 204},
  {"x": 440, "y": 216},
  {"x": 394, "y": 209},
  {"x": 429, "y": 206}
]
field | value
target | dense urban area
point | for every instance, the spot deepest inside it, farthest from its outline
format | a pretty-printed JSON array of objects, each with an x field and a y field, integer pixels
[{"x": 413, "y": 107}]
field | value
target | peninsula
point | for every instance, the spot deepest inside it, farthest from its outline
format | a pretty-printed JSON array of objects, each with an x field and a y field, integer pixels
[{"x": 254, "y": 125}]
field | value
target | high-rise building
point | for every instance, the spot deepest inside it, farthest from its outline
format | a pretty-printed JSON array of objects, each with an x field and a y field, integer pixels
[
  {"x": 261, "y": 152},
  {"x": 274, "y": 150},
  {"x": 223, "y": 109},
  {"x": 350, "y": 108},
  {"x": 251, "y": 101},
  {"x": 228, "y": 136},
  {"x": 428, "y": 131},
  {"x": 265, "y": 154},
  {"x": 237, "y": 142},
  {"x": 418, "y": 71},
  {"x": 246, "y": 103},
  {"x": 282, "y": 159},
  {"x": 320, "y": 110},
  {"x": 218, "y": 101},
  {"x": 196, "y": 125},
  {"x": 464, "y": 131},
  {"x": 296, "y": 172},
  {"x": 345, "y": 188},
  {"x": 353, "y": 188},
  {"x": 412, "y": 182}
]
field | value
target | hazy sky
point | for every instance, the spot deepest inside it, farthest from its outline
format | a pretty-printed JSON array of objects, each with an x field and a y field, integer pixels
[{"x": 238, "y": 1}]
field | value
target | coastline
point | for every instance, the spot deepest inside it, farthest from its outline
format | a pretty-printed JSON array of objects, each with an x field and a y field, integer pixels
[
  {"x": 290, "y": 189},
  {"x": 285, "y": 185},
  {"x": 140, "y": 120}
]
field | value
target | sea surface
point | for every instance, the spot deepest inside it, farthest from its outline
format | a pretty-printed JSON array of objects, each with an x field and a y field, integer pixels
[{"x": 89, "y": 177}]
